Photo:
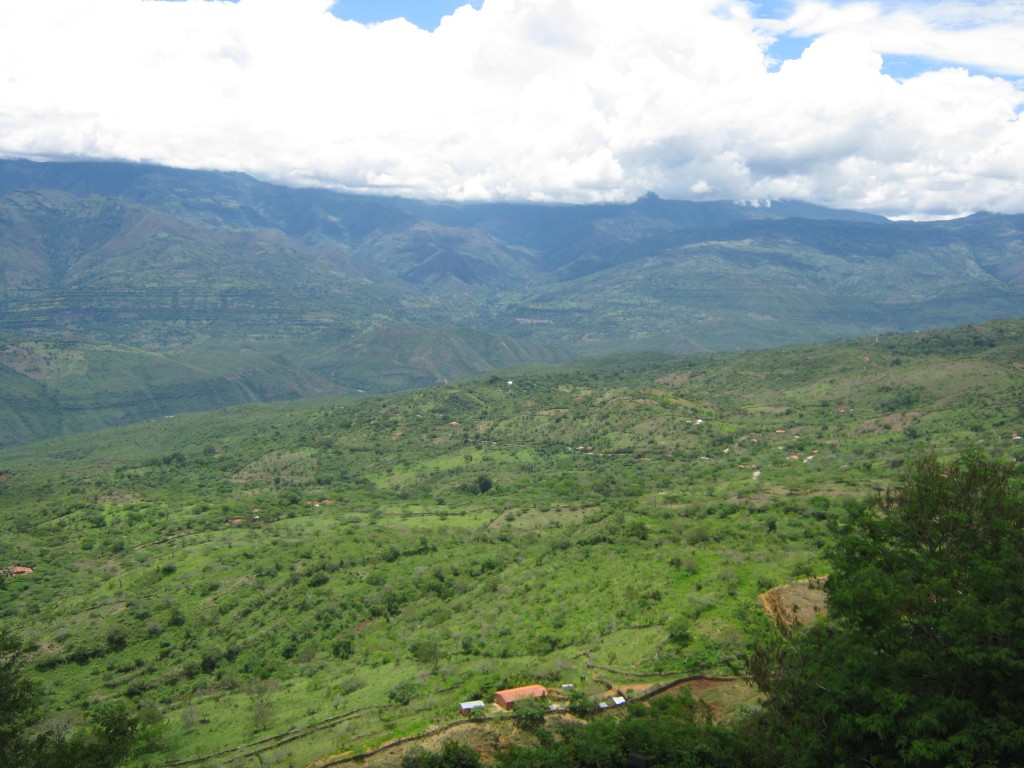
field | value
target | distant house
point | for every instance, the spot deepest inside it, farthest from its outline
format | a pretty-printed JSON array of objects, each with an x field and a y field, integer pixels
[
  {"x": 505, "y": 699},
  {"x": 468, "y": 706}
]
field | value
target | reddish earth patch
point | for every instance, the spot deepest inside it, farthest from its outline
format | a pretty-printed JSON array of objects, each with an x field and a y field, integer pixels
[
  {"x": 724, "y": 696},
  {"x": 18, "y": 570},
  {"x": 704, "y": 685}
]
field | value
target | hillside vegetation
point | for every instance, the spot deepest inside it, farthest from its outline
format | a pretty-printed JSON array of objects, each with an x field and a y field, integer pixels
[
  {"x": 130, "y": 291},
  {"x": 347, "y": 571}
]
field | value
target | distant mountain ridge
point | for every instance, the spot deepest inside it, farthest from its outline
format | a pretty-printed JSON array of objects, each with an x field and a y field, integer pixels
[{"x": 228, "y": 279}]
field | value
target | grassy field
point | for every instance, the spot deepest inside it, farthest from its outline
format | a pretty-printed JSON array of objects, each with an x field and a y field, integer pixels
[{"x": 345, "y": 572}]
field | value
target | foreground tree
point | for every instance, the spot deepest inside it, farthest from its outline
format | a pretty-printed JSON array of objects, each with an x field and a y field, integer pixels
[
  {"x": 670, "y": 732},
  {"x": 452, "y": 755},
  {"x": 921, "y": 661},
  {"x": 106, "y": 743},
  {"x": 17, "y": 696}
]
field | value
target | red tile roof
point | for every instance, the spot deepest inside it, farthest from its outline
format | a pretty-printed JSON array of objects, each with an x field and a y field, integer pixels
[{"x": 508, "y": 697}]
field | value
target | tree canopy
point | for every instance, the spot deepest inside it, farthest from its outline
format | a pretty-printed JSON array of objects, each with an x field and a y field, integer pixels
[
  {"x": 105, "y": 743},
  {"x": 921, "y": 661}
]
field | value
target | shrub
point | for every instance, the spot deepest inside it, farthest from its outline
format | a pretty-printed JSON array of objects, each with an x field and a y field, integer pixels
[{"x": 404, "y": 693}]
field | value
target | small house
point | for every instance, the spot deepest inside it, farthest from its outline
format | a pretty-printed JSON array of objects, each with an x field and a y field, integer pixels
[
  {"x": 505, "y": 699},
  {"x": 466, "y": 707}
]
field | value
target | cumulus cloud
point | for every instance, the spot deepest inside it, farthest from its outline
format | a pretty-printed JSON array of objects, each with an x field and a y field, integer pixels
[{"x": 570, "y": 100}]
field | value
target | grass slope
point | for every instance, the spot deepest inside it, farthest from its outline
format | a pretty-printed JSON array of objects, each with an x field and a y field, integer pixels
[{"x": 348, "y": 571}]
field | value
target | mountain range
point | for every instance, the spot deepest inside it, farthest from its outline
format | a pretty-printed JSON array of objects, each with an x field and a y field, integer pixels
[{"x": 131, "y": 291}]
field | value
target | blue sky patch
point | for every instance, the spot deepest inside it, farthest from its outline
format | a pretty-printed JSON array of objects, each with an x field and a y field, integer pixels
[
  {"x": 787, "y": 47},
  {"x": 425, "y": 14}
]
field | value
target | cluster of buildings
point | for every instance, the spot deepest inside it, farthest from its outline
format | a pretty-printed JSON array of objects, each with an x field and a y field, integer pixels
[{"x": 507, "y": 699}]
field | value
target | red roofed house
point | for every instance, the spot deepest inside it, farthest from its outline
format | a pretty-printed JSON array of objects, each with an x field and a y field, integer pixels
[{"x": 505, "y": 699}]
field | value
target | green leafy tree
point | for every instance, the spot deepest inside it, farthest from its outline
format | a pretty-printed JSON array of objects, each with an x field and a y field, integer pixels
[
  {"x": 260, "y": 691},
  {"x": 107, "y": 742},
  {"x": 921, "y": 662},
  {"x": 529, "y": 713},
  {"x": 17, "y": 698},
  {"x": 679, "y": 632},
  {"x": 453, "y": 754},
  {"x": 580, "y": 704},
  {"x": 673, "y": 731},
  {"x": 343, "y": 648},
  {"x": 403, "y": 693},
  {"x": 427, "y": 652}
]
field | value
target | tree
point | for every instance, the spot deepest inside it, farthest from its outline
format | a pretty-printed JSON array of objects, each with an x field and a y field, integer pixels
[
  {"x": 403, "y": 693},
  {"x": 259, "y": 690},
  {"x": 673, "y": 731},
  {"x": 529, "y": 713},
  {"x": 580, "y": 704},
  {"x": 17, "y": 698},
  {"x": 453, "y": 754},
  {"x": 427, "y": 652},
  {"x": 921, "y": 662},
  {"x": 105, "y": 743}
]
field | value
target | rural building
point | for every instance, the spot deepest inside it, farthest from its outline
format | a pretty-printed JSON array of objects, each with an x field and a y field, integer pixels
[
  {"x": 505, "y": 699},
  {"x": 468, "y": 706}
]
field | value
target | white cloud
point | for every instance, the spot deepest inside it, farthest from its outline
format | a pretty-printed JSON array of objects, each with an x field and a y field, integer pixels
[{"x": 534, "y": 99}]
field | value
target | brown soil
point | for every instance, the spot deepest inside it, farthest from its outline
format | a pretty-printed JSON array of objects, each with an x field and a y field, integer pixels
[
  {"x": 725, "y": 696},
  {"x": 798, "y": 603},
  {"x": 118, "y": 498},
  {"x": 486, "y": 738},
  {"x": 890, "y": 421},
  {"x": 630, "y": 691}
]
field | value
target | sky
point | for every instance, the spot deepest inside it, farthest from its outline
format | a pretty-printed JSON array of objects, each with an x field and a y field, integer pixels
[{"x": 906, "y": 108}]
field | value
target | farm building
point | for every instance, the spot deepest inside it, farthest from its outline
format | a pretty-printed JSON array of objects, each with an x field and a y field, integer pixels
[
  {"x": 468, "y": 706},
  {"x": 505, "y": 699}
]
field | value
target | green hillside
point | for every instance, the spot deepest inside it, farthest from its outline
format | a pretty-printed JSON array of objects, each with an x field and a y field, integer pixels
[
  {"x": 347, "y": 571},
  {"x": 184, "y": 291}
]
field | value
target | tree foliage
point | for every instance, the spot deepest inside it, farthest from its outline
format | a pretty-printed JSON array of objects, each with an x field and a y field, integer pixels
[
  {"x": 453, "y": 754},
  {"x": 427, "y": 652},
  {"x": 921, "y": 662},
  {"x": 673, "y": 732},
  {"x": 529, "y": 713},
  {"x": 107, "y": 741}
]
